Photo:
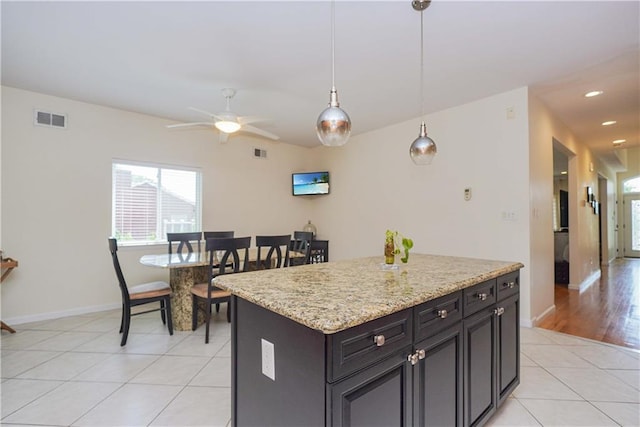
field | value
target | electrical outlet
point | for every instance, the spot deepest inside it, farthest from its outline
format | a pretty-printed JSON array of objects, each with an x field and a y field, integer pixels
[
  {"x": 467, "y": 194},
  {"x": 268, "y": 359},
  {"x": 509, "y": 216}
]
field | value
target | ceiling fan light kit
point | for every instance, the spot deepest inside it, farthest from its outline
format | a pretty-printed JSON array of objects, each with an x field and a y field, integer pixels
[
  {"x": 423, "y": 149},
  {"x": 227, "y": 126},
  {"x": 333, "y": 125}
]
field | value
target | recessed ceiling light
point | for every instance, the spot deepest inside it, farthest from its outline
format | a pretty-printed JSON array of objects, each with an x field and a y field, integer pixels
[
  {"x": 593, "y": 93},
  {"x": 619, "y": 141},
  {"x": 609, "y": 123}
]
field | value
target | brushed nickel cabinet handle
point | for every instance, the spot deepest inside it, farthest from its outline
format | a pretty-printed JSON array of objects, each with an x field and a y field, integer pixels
[
  {"x": 498, "y": 311},
  {"x": 422, "y": 354},
  {"x": 509, "y": 285},
  {"x": 443, "y": 314},
  {"x": 482, "y": 296},
  {"x": 379, "y": 340},
  {"x": 413, "y": 358}
]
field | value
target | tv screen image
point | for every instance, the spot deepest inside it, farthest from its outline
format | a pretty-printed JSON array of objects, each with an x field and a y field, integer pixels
[{"x": 310, "y": 183}]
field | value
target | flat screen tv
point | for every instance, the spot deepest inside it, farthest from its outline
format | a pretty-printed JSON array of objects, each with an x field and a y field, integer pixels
[{"x": 310, "y": 183}]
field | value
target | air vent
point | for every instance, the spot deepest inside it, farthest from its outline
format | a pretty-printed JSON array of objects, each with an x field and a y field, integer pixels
[
  {"x": 45, "y": 118},
  {"x": 260, "y": 153}
]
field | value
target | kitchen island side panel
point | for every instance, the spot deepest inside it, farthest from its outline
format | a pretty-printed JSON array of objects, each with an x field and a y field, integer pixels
[{"x": 297, "y": 395}]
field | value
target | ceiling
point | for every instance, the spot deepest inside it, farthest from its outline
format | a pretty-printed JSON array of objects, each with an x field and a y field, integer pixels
[{"x": 160, "y": 58}]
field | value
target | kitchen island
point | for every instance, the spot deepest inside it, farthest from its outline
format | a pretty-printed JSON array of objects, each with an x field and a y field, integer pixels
[{"x": 435, "y": 342}]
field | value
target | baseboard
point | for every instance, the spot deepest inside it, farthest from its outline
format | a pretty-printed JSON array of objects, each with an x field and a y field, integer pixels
[
  {"x": 58, "y": 314},
  {"x": 532, "y": 323},
  {"x": 586, "y": 282}
]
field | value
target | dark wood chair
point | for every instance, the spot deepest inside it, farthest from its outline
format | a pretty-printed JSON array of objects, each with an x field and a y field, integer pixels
[
  {"x": 270, "y": 251},
  {"x": 217, "y": 234},
  {"x": 301, "y": 244},
  {"x": 184, "y": 240},
  {"x": 319, "y": 251},
  {"x": 145, "y": 293},
  {"x": 232, "y": 260}
]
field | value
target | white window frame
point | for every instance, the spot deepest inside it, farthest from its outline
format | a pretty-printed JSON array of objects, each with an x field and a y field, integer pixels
[{"x": 161, "y": 237}]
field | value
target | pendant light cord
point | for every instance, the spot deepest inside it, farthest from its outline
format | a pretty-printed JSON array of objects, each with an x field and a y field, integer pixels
[
  {"x": 422, "y": 65},
  {"x": 333, "y": 42}
]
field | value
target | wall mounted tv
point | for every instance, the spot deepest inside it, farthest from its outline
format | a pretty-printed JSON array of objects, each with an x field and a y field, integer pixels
[{"x": 310, "y": 183}]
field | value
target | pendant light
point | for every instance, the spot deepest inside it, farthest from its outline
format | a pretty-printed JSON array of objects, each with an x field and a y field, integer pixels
[
  {"x": 423, "y": 149},
  {"x": 333, "y": 125}
]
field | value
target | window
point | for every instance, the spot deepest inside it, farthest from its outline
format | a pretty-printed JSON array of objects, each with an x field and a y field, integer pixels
[
  {"x": 150, "y": 201},
  {"x": 631, "y": 185}
]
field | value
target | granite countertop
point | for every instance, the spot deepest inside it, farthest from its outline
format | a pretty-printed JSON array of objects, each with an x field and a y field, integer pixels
[{"x": 334, "y": 296}]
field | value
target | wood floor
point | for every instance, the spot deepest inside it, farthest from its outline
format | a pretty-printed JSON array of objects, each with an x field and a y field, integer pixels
[{"x": 608, "y": 311}]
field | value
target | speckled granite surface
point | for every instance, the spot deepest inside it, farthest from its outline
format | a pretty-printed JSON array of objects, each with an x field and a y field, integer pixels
[{"x": 334, "y": 296}]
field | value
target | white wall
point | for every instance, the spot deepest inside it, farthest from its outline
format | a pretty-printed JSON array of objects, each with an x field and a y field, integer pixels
[
  {"x": 56, "y": 197},
  {"x": 56, "y": 194},
  {"x": 583, "y": 224},
  {"x": 375, "y": 187}
]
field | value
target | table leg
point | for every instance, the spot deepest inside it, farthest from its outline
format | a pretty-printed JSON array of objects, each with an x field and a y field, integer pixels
[{"x": 181, "y": 280}]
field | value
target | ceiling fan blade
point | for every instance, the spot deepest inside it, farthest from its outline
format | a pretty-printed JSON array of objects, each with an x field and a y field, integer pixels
[
  {"x": 224, "y": 137},
  {"x": 257, "y": 131},
  {"x": 184, "y": 125},
  {"x": 201, "y": 111},
  {"x": 245, "y": 120}
]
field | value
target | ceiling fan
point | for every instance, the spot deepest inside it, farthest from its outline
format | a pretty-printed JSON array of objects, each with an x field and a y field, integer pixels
[{"x": 228, "y": 122}]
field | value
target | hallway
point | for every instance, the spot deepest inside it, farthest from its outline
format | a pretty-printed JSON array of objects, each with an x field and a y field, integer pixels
[{"x": 608, "y": 311}]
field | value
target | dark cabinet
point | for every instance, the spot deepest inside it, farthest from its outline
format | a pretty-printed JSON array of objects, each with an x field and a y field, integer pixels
[
  {"x": 508, "y": 346},
  {"x": 376, "y": 396},
  {"x": 479, "y": 367},
  {"x": 491, "y": 347},
  {"x": 437, "y": 383}
]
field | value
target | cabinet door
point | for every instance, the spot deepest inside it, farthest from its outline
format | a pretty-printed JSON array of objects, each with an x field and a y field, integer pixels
[
  {"x": 437, "y": 381},
  {"x": 377, "y": 396},
  {"x": 479, "y": 333},
  {"x": 508, "y": 346}
]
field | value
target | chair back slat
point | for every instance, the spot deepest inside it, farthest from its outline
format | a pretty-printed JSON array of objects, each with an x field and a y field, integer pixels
[
  {"x": 235, "y": 254},
  {"x": 184, "y": 240},
  {"x": 274, "y": 247},
  {"x": 301, "y": 243}
]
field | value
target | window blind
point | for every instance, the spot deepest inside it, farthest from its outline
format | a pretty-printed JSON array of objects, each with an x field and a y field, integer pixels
[{"x": 150, "y": 201}]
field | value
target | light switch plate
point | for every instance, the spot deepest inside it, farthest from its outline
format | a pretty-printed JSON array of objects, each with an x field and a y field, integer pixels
[{"x": 268, "y": 359}]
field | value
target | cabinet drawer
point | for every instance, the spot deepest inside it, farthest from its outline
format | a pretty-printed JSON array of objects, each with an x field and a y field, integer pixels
[
  {"x": 433, "y": 316},
  {"x": 356, "y": 348},
  {"x": 479, "y": 296},
  {"x": 508, "y": 285}
]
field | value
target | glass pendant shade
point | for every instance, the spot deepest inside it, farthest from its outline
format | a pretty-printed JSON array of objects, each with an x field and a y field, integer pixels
[
  {"x": 227, "y": 126},
  {"x": 423, "y": 149},
  {"x": 334, "y": 125}
]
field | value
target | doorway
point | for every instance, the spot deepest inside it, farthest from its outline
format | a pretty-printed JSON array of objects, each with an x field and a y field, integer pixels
[
  {"x": 631, "y": 225},
  {"x": 561, "y": 213}
]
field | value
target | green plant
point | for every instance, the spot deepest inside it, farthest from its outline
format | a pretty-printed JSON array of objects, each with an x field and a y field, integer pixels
[{"x": 393, "y": 242}]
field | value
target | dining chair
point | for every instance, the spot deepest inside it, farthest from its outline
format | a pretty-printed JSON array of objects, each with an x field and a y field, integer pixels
[
  {"x": 301, "y": 244},
  {"x": 134, "y": 296},
  {"x": 270, "y": 251},
  {"x": 184, "y": 240},
  {"x": 225, "y": 257},
  {"x": 319, "y": 251},
  {"x": 217, "y": 234}
]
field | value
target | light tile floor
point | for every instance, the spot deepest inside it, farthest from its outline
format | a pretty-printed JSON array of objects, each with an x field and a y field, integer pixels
[{"x": 73, "y": 372}]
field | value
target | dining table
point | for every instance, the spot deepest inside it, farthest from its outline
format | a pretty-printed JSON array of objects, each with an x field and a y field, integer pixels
[{"x": 186, "y": 270}]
